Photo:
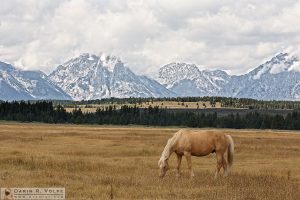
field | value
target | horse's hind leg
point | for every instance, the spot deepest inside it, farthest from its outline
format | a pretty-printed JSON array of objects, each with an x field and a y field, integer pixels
[
  {"x": 225, "y": 166},
  {"x": 219, "y": 163},
  {"x": 179, "y": 158},
  {"x": 189, "y": 162}
]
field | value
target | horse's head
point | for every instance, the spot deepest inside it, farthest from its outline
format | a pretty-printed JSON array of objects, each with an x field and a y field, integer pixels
[{"x": 163, "y": 166}]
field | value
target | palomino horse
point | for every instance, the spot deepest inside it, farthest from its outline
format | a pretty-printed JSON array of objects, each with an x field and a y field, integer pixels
[{"x": 197, "y": 143}]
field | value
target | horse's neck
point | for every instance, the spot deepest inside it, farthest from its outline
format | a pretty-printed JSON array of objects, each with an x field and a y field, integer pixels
[
  {"x": 166, "y": 154},
  {"x": 167, "y": 151}
]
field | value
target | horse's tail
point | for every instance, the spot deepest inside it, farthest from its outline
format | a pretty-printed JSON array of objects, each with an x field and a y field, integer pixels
[{"x": 230, "y": 150}]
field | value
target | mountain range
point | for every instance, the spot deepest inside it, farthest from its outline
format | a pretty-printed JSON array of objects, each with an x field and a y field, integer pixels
[
  {"x": 276, "y": 79},
  {"x": 16, "y": 84},
  {"x": 94, "y": 77}
]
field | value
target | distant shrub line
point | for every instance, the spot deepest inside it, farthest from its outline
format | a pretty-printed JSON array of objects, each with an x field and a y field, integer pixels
[
  {"x": 154, "y": 116},
  {"x": 227, "y": 102}
]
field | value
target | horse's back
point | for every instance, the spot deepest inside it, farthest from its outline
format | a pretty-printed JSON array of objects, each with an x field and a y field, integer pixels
[
  {"x": 202, "y": 135},
  {"x": 201, "y": 143}
]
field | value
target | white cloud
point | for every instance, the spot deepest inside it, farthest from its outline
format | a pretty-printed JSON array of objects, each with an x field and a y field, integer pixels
[
  {"x": 295, "y": 66},
  {"x": 231, "y": 35}
]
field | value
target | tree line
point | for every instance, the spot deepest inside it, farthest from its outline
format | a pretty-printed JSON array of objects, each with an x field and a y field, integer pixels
[{"x": 153, "y": 116}]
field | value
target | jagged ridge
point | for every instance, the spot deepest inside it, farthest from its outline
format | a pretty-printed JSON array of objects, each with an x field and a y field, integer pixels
[
  {"x": 276, "y": 79},
  {"x": 92, "y": 77}
]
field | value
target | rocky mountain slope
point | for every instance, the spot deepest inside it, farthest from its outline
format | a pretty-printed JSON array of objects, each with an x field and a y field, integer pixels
[
  {"x": 278, "y": 78},
  {"x": 187, "y": 80},
  {"x": 92, "y": 77},
  {"x": 16, "y": 84}
]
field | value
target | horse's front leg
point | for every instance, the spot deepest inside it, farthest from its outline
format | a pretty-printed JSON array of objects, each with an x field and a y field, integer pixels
[
  {"x": 189, "y": 162},
  {"x": 179, "y": 157}
]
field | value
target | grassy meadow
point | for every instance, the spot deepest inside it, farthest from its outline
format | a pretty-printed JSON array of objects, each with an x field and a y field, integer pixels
[
  {"x": 111, "y": 162},
  {"x": 161, "y": 104}
]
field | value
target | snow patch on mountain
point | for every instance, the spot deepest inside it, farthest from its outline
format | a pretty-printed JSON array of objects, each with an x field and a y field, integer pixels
[
  {"x": 109, "y": 61},
  {"x": 295, "y": 66},
  {"x": 261, "y": 72}
]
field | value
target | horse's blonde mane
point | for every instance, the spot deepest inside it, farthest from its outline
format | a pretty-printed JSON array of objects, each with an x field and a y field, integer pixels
[{"x": 167, "y": 150}]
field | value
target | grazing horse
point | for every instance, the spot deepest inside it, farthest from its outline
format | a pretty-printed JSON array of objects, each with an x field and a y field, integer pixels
[{"x": 197, "y": 143}]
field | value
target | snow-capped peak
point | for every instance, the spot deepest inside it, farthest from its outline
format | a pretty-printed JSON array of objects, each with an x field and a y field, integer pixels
[
  {"x": 109, "y": 61},
  {"x": 188, "y": 80},
  {"x": 170, "y": 73},
  {"x": 91, "y": 57},
  {"x": 280, "y": 63},
  {"x": 96, "y": 77}
]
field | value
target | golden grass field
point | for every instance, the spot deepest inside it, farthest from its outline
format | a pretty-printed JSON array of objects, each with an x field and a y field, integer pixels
[
  {"x": 104, "y": 162},
  {"x": 161, "y": 104}
]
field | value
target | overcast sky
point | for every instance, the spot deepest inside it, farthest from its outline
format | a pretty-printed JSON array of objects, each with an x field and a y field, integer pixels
[{"x": 215, "y": 34}]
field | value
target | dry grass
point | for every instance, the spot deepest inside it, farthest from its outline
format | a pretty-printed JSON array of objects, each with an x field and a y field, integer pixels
[{"x": 97, "y": 162}]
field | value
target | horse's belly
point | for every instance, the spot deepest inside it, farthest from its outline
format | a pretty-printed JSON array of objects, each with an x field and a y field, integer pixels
[{"x": 200, "y": 153}]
